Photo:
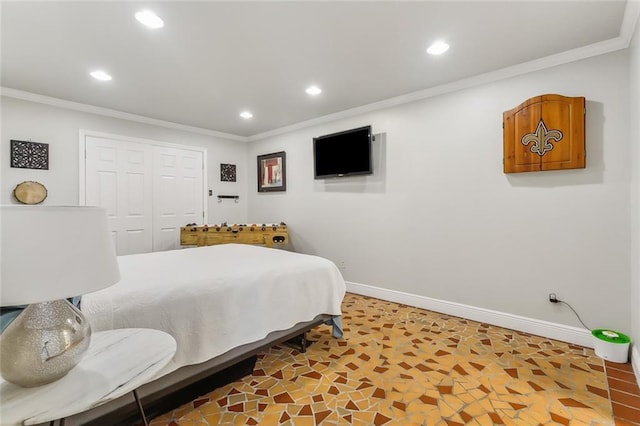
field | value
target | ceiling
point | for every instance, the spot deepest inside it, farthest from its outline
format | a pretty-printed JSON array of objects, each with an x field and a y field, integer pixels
[{"x": 213, "y": 60}]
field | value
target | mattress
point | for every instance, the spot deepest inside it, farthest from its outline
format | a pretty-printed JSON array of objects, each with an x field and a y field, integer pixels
[{"x": 212, "y": 299}]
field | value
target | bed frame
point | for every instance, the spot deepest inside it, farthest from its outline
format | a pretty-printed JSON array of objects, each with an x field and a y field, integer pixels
[{"x": 157, "y": 396}]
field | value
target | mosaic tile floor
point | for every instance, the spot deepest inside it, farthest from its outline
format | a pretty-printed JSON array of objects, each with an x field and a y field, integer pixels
[{"x": 399, "y": 365}]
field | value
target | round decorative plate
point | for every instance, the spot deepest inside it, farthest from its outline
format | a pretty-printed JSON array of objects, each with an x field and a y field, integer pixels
[{"x": 30, "y": 192}]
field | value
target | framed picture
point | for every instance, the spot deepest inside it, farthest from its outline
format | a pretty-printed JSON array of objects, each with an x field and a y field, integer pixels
[{"x": 272, "y": 170}]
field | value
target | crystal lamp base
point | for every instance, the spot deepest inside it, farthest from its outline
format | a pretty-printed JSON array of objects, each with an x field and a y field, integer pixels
[{"x": 43, "y": 343}]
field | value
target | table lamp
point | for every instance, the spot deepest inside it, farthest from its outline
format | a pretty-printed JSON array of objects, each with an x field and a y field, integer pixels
[{"x": 48, "y": 254}]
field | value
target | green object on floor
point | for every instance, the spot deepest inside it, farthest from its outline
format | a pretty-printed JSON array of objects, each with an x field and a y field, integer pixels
[{"x": 611, "y": 336}]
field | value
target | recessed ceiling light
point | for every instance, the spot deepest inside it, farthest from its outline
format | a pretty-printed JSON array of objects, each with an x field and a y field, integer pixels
[
  {"x": 438, "y": 48},
  {"x": 150, "y": 19},
  {"x": 246, "y": 115},
  {"x": 313, "y": 90},
  {"x": 100, "y": 75}
]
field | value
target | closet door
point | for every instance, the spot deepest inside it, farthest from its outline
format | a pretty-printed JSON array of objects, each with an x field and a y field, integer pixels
[
  {"x": 178, "y": 188},
  {"x": 118, "y": 177}
]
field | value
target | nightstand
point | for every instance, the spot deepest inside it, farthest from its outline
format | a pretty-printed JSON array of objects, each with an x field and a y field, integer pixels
[{"x": 117, "y": 362}]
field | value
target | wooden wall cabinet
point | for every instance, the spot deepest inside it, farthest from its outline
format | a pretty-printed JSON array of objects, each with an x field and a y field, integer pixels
[{"x": 545, "y": 132}]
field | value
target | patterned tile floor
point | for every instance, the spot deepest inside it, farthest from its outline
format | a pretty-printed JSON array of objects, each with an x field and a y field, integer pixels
[{"x": 399, "y": 365}]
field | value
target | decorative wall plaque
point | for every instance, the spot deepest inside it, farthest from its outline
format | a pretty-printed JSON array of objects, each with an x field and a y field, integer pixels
[
  {"x": 228, "y": 172},
  {"x": 30, "y": 192},
  {"x": 29, "y": 155},
  {"x": 544, "y": 133}
]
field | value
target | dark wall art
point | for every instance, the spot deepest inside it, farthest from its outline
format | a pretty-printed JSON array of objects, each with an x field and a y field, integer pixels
[
  {"x": 227, "y": 172},
  {"x": 29, "y": 155}
]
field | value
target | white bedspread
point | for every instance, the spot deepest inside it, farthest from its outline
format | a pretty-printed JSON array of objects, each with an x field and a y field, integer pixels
[{"x": 212, "y": 299}]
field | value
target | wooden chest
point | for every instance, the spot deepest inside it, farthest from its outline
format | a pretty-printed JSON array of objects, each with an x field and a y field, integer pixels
[{"x": 207, "y": 235}]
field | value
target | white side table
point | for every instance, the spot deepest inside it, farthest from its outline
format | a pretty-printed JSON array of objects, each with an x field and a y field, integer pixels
[{"x": 117, "y": 362}]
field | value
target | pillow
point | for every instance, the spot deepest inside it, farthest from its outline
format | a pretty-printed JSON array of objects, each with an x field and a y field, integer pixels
[{"x": 9, "y": 313}]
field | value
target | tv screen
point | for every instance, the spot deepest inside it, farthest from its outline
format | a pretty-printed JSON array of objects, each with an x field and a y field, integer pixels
[{"x": 345, "y": 153}]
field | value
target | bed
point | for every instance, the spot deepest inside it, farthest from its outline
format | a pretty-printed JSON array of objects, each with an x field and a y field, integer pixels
[{"x": 221, "y": 303}]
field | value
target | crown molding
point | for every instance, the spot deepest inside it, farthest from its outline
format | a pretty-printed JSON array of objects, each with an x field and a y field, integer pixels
[
  {"x": 573, "y": 55},
  {"x": 76, "y": 106},
  {"x": 630, "y": 20},
  {"x": 627, "y": 28}
]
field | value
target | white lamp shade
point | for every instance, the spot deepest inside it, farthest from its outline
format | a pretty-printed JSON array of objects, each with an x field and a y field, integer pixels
[{"x": 49, "y": 253}]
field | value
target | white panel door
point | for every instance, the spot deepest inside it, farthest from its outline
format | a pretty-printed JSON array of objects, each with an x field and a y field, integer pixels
[
  {"x": 118, "y": 177},
  {"x": 178, "y": 189}
]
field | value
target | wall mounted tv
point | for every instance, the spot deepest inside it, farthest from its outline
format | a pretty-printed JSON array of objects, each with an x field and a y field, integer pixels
[{"x": 345, "y": 153}]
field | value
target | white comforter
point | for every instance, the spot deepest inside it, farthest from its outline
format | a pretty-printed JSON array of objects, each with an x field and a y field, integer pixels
[{"x": 212, "y": 299}]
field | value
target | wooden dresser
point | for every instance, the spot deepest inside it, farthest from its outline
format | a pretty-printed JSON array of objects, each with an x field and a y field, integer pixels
[{"x": 269, "y": 235}]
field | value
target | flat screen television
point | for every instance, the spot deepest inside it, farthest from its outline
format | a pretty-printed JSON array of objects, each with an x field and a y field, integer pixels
[{"x": 345, "y": 153}]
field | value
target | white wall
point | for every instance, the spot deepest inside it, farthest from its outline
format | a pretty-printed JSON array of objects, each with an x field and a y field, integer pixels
[
  {"x": 634, "y": 73},
  {"x": 440, "y": 219},
  {"x": 59, "y": 127}
]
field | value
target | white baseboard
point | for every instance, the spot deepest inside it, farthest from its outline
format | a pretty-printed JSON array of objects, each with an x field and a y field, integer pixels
[
  {"x": 635, "y": 360},
  {"x": 547, "y": 329}
]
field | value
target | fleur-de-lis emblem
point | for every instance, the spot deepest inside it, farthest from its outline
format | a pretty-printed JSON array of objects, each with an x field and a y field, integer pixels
[{"x": 541, "y": 139}]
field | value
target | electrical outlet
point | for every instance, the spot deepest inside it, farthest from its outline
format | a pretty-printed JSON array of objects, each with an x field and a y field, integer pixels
[
  {"x": 342, "y": 265},
  {"x": 553, "y": 298}
]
